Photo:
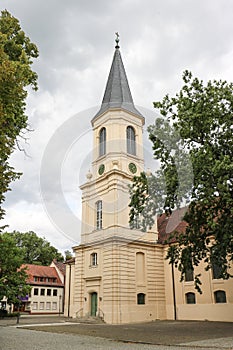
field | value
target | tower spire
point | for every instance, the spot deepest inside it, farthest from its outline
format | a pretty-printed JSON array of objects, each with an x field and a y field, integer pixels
[
  {"x": 117, "y": 40},
  {"x": 117, "y": 92}
]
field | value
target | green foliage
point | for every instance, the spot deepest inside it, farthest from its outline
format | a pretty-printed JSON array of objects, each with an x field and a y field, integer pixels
[
  {"x": 21, "y": 248},
  {"x": 144, "y": 204},
  {"x": 12, "y": 280},
  {"x": 194, "y": 144},
  {"x": 16, "y": 56},
  {"x": 34, "y": 249},
  {"x": 68, "y": 255}
]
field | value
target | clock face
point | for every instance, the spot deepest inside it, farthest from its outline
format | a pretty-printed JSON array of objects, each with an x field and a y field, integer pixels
[
  {"x": 132, "y": 168},
  {"x": 101, "y": 169}
]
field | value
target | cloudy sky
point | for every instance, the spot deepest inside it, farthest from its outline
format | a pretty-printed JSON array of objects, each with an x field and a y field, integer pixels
[{"x": 159, "y": 40}]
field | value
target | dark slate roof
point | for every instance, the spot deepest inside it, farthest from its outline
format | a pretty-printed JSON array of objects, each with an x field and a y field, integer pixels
[{"x": 117, "y": 93}]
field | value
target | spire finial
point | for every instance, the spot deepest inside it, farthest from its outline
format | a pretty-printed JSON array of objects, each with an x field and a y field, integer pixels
[{"x": 117, "y": 40}]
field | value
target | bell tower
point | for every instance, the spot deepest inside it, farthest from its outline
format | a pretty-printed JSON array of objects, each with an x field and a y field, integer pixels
[
  {"x": 117, "y": 157},
  {"x": 115, "y": 266}
]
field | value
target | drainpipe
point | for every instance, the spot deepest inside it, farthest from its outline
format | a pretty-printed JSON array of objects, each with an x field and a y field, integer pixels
[
  {"x": 174, "y": 292},
  {"x": 69, "y": 291}
]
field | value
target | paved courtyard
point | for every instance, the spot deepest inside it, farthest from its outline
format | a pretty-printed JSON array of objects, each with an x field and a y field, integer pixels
[{"x": 60, "y": 333}]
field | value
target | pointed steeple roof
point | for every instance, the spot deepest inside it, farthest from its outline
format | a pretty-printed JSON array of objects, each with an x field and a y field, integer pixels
[{"x": 117, "y": 92}]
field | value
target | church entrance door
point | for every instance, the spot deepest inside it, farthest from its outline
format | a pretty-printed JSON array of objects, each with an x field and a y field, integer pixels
[{"x": 93, "y": 304}]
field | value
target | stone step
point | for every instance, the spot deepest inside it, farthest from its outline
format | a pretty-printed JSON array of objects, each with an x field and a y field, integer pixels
[{"x": 90, "y": 319}]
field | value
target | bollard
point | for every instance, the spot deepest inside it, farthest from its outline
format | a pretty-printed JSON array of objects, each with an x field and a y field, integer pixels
[{"x": 18, "y": 316}]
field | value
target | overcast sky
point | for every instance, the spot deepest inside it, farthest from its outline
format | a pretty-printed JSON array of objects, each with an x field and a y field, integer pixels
[{"x": 159, "y": 39}]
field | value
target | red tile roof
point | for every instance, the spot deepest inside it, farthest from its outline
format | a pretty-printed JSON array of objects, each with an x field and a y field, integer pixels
[
  {"x": 61, "y": 266},
  {"x": 42, "y": 271},
  {"x": 169, "y": 224}
]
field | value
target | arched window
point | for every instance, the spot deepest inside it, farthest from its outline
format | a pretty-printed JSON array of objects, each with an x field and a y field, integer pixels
[
  {"x": 94, "y": 259},
  {"x": 102, "y": 142},
  {"x": 190, "y": 298},
  {"x": 131, "y": 144},
  {"x": 141, "y": 298},
  {"x": 220, "y": 296},
  {"x": 99, "y": 215}
]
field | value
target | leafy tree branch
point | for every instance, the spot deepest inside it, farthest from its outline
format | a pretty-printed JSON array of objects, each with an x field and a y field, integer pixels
[{"x": 194, "y": 144}]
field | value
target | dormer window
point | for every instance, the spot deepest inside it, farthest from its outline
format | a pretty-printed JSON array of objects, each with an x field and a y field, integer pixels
[
  {"x": 102, "y": 142},
  {"x": 131, "y": 144}
]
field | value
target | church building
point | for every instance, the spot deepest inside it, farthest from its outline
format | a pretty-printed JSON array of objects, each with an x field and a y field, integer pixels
[{"x": 120, "y": 274}]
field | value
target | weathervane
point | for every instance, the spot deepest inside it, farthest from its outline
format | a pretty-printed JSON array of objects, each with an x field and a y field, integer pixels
[{"x": 117, "y": 40}]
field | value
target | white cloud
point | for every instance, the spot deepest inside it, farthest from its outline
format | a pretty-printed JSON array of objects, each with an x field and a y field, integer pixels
[{"x": 159, "y": 40}]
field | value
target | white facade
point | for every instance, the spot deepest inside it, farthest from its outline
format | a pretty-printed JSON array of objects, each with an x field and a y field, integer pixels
[{"x": 45, "y": 299}]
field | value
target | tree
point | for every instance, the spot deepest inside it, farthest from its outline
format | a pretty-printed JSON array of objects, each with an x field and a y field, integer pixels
[
  {"x": 16, "y": 57},
  {"x": 194, "y": 144},
  {"x": 34, "y": 249},
  {"x": 12, "y": 278},
  {"x": 68, "y": 255}
]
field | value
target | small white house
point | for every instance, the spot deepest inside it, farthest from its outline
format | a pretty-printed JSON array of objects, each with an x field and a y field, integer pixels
[{"x": 47, "y": 293}]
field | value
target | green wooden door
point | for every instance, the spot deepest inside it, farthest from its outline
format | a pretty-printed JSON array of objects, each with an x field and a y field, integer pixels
[{"x": 93, "y": 304}]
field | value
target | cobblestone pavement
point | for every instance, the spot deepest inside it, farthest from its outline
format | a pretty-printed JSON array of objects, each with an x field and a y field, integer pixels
[{"x": 58, "y": 333}]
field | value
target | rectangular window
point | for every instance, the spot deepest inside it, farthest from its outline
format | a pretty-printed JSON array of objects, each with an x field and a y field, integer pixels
[
  {"x": 55, "y": 292},
  {"x": 35, "y": 306},
  {"x": 188, "y": 277},
  {"x": 36, "y": 291},
  {"x": 216, "y": 270},
  {"x": 41, "y": 279},
  {"x": 42, "y": 291},
  {"x": 99, "y": 215},
  {"x": 41, "y": 305},
  {"x": 48, "y": 292},
  {"x": 35, "y": 278},
  {"x": 54, "y": 305},
  {"x": 94, "y": 259},
  {"x": 48, "y": 305}
]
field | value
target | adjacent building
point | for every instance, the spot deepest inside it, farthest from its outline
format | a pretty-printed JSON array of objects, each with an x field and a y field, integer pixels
[
  {"x": 183, "y": 302},
  {"x": 119, "y": 273},
  {"x": 47, "y": 293}
]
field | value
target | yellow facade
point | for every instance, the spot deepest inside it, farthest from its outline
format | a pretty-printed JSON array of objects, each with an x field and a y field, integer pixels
[
  {"x": 120, "y": 274},
  {"x": 206, "y": 307}
]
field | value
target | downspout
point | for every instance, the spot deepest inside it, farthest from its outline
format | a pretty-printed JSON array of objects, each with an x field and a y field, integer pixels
[
  {"x": 69, "y": 291},
  {"x": 174, "y": 291}
]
